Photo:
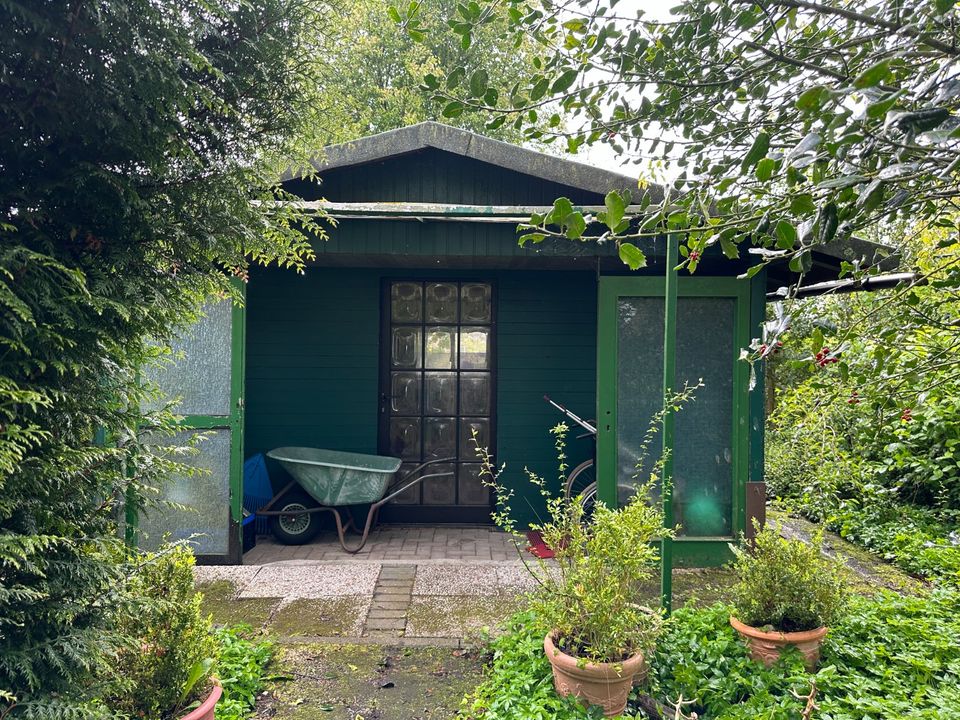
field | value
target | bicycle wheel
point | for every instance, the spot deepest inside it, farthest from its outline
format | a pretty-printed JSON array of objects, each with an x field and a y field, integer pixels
[{"x": 580, "y": 478}]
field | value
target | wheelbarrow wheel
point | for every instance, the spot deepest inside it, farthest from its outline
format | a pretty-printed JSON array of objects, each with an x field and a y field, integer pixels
[{"x": 296, "y": 528}]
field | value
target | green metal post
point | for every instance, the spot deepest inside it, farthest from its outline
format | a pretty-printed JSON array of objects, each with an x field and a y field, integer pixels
[{"x": 669, "y": 376}]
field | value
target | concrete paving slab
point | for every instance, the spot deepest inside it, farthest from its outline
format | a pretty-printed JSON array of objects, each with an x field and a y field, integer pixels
[
  {"x": 465, "y": 579},
  {"x": 237, "y": 575},
  {"x": 330, "y": 617},
  {"x": 313, "y": 581},
  {"x": 457, "y": 617}
]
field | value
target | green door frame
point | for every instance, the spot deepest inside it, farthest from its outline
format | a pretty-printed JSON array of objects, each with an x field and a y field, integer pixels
[
  {"x": 693, "y": 551},
  {"x": 232, "y": 422}
]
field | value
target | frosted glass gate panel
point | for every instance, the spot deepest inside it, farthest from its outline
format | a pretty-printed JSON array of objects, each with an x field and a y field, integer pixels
[
  {"x": 711, "y": 434},
  {"x": 703, "y": 442},
  {"x": 204, "y": 379}
]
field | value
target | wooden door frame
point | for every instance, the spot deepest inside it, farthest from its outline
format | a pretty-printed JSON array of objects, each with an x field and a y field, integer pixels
[{"x": 433, "y": 514}]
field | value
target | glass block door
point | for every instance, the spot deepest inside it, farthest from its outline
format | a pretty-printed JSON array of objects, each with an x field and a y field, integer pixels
[
  {"x": 205, "y": 376},
  {"x": 437, "y": 391}
]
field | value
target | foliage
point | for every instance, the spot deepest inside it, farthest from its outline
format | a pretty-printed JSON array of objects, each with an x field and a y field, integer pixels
[
  {"x": 520, "y": 681},
  {"x": 869, "y": 444},
  {"x": 172, "y": 649},
  {"x": 786, "y": 584},
  {"x": 241, "y": 670},
  {"x": 590, "y": 596},
  {"x": 791, "y": 124},
  {"x": 133, "y": 136},
  {"x": 888, "y": 656},
  {"x": 373, "y": 70}
]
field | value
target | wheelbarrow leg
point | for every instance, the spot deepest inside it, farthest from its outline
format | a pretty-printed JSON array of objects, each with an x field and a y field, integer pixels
[{"x": 371, "y": 521}]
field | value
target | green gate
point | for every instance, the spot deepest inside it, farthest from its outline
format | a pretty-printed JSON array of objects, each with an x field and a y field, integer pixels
[{"x": 711, "y": 440}]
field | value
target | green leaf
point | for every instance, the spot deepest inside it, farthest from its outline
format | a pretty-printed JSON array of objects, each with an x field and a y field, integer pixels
[
  {"x": 632, "y": 256},
  {"x": 802, "y": 204},
  {"x": 786, "y": 233},
  {"x": 873, "y": 75},
  {"x": 198, "y": 671},
  {"x": 478, "y": 83},
  {"x": 531, "y": 237},
  {"x": 453, "y": 109},
  {"x": 394, "y": 14},
  {"x": 765, "y": 169},
  {"x": 615, "y": 209},
  {"x": 730, "y": 249},
  {"x": 561, "y": 208},
  {"x": 455, "y": 77},
  {"x": 564, "y": 82},
  {"x": 811, "y": 98},
  {"x": 575, "y": 225},
  {"x": 943, "y": 6},
  {"x": 757, "y": 150},
  {"x": 880, "y": 108},
  {"x": 801, "y": 262},
  {"x": 816, "y": 340}
]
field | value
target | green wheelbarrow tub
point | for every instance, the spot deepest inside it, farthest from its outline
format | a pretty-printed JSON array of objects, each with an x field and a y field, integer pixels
[{"x": 334, "y": 478}]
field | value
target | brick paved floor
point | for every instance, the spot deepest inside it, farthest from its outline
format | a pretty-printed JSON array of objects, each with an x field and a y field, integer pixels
[{"x": 397, "y": 543}]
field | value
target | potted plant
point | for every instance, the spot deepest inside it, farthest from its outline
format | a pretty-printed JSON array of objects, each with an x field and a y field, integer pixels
[
  {"x": 590, "y": 594},
  {"x": 165, "y": 669},
  {"x": 787, "y": 594}
]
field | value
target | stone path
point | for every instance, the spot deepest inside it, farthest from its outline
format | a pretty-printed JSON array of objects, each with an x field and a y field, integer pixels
[
  {"x": 398, "y": 544},
  {"x": 394, "y": 603}
]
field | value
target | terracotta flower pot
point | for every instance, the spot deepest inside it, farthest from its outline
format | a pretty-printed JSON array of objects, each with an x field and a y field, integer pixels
[
  {"x": 766, "y": 647},
  {"x": 205, "y": 710},
  {"x": 603, "y": 684}
]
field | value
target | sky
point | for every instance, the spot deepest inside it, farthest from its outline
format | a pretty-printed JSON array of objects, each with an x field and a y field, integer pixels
[{"x": 602, "y": 155}]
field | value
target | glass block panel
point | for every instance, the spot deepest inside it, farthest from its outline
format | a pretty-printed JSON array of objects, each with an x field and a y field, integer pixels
[
  {"x": 439, "y": 438},
  {"x": 405, "y": 438},
  {"x": 468, "y": 448},
  {"x": 405, "y": 393},
  {"x": 406, "y": 302},
  {"x": 405, "y": 347},
  {"x": 475, "y": 303},
  {"x": 441, "y": 348},
  {"x": 206, "y": 497},
  {"x": 474, "y": 393},
  {"x": 440, "y": 490},
  {"x": 441, "y": 302},
  {"x": 441, "y": 393},
  {"x": 703, "y": 440},
  {"x": 474, "y": 348},
  {"x": 199, "y": 373},
  {"x": 471, "y": 491},
  {"x": 410, "y": 496}
]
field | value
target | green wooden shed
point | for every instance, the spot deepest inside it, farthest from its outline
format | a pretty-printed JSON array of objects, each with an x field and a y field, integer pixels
[{"x": 422, "y": 321}]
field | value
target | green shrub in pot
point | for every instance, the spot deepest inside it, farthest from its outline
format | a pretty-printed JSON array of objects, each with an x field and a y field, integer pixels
[
  {"x": 787, "y": 593},
  {"x": 590, "y": 594}
]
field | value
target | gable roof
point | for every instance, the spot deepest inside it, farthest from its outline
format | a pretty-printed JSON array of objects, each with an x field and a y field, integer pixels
[{"x": 468, "y": 144}]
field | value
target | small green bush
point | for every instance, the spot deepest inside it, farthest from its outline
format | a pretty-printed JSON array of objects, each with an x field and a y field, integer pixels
[
  {"x": 174, "y": 649},
  {"x": 241, "y": 670},
  {"x": 788, "y": 585}
]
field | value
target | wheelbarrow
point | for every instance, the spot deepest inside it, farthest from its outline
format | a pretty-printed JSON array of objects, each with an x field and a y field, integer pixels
[{"x": 330, "y": 481}]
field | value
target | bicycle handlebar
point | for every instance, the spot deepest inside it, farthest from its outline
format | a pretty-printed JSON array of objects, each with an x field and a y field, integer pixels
[{"x": 591, "y": 430}]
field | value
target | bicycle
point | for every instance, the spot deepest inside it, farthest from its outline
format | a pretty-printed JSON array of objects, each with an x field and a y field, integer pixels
[{"x": 581, "y": 481}]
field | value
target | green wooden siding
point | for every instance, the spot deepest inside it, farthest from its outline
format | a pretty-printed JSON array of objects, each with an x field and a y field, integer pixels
[
  {"x": 313, "y": 355},
  {"x": 437, "y": 176}
]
